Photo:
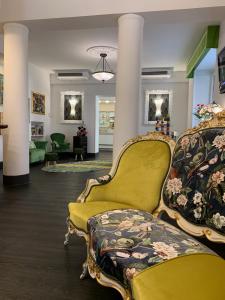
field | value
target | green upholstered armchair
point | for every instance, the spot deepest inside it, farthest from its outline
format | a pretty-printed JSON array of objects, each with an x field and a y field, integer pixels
[
  {"x": 58, "y": 142},
  {"x": 37, "y": 151}
]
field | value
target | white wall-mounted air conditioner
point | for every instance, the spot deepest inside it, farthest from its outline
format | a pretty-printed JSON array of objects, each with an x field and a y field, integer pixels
[
  {"x": 154, "y": 73},
  {"x": 72, "y": 74}
]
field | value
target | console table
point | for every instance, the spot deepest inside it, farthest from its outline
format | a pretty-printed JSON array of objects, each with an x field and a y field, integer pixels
[{"x": 80, "y": 143}]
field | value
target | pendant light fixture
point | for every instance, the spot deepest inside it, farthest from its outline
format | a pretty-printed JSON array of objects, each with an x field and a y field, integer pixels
[{"x": 103, "y": 71}]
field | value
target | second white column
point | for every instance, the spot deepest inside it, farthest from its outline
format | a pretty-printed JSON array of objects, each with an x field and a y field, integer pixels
[{"x": 128, "y": 80}]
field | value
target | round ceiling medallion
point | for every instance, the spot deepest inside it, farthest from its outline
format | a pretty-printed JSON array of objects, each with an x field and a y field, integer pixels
[{"x": 97, "y": 50}]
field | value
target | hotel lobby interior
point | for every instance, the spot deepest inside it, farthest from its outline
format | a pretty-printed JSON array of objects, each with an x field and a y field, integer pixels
[{"x": 112, "y": 150}]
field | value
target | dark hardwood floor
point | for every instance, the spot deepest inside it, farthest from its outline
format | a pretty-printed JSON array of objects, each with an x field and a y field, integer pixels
[
  {"x": 33, "y": 261},
  {"x": 34, "y": 264}
]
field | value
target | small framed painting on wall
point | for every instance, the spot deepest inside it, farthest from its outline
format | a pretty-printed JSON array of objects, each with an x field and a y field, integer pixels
[
  {"x": 157, "y": 104},
  {"x": 38, "y": 103},
  {"x": 72, "y": 107}
]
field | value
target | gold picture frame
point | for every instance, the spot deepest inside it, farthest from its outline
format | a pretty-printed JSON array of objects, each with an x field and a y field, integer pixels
[{"x": 38, "y": 103}]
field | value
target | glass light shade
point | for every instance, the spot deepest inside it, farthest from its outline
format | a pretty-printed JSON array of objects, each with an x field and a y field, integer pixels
[{"x": 103, "y": 76}]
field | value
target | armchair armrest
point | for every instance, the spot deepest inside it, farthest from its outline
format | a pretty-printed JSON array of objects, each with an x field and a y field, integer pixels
[{"x": 92, "y": 183}]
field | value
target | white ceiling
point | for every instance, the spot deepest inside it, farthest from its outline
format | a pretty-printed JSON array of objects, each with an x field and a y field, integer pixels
[
  {"x": 169, "y": 38},
  {"x": 165, "y": 45}
]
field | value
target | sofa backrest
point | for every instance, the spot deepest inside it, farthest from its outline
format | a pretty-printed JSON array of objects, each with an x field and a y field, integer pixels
[
  {"x": 138, "y": 174},
  {"x": 194, "y": 192}
]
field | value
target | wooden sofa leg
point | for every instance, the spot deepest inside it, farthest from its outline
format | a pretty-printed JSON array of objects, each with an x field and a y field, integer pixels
[
  {"x": 67, "y": 238},
  {"x": 68, "y": 234},
  {"x": 84, "y": 273}
]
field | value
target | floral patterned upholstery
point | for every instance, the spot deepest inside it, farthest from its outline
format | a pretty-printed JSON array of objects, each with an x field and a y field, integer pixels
[
  {"x": 125, "y": 242},
  {"x": 196, "y": 183}
]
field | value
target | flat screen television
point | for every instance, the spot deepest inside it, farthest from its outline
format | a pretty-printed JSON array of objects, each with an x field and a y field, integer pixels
[{"x": 221, "y": 67}]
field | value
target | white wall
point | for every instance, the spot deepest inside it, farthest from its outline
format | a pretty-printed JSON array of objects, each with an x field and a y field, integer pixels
[
  {"x": 39, "y": 81},
  {"x": 90, "y": 90},
  {"x": 179, "y": 106},
  {"x": 202, "y": 90}
]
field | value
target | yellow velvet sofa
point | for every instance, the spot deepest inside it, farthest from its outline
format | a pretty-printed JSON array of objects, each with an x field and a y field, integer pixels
[{"x": 152, "y": 175}]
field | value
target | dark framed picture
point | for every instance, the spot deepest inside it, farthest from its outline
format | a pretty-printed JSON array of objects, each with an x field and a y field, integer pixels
[
  {"x": 72, "y": 107},
  {"x": 1, "y": 89},
  {"x": 157, "y": 104},
  {"x": 38, "y": 103}
]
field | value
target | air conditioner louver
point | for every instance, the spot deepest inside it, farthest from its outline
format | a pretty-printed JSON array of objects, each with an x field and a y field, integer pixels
[
  {"x": 156, "y": 73},
  {"x": 73, "y": 74}
]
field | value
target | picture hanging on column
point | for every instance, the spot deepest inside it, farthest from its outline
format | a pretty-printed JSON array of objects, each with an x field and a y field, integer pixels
[
  {"x": 157, "y": 104},
  {"x": 38, "y": 103},
  {"x": 72, "y": 107},
  {"x": 1, "y": 89}
]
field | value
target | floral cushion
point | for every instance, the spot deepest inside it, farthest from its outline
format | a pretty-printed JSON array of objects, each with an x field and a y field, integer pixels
[
  {"x": 125, "y": 242},
  {"x": 196, "y": 184}
]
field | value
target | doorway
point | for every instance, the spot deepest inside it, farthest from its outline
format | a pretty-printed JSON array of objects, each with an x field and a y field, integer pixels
[{"x": 106, "y": 121}]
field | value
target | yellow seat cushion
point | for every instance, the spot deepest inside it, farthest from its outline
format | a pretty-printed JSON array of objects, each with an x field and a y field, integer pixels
[
  {"x": 79, "y": 213},
  {"x": 192, "y": 277},
  {"x": 139, "y": 177}
]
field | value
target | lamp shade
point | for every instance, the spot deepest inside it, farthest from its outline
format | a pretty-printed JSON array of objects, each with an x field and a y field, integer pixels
[
  {"x": 103, "y": 75},
  {"x": 105, "y": 72}
]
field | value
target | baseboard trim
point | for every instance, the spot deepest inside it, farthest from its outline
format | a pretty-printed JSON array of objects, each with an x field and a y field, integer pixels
[{"x": 16, "y": 180}]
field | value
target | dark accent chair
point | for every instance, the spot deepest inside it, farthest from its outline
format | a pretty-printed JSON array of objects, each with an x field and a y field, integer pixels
[{"x": 58, "y": 142}]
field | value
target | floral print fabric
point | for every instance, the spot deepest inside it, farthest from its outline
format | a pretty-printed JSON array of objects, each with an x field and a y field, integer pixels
[
  {"x": 125, "y": 242},
  {"x": 196, "y": 184}
]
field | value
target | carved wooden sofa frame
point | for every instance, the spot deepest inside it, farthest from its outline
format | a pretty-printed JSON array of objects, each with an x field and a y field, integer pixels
[{"x": 90, "y": 265}]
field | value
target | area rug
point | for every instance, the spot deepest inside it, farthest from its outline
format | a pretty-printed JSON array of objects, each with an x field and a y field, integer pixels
[{"x": 79, "y": 166}]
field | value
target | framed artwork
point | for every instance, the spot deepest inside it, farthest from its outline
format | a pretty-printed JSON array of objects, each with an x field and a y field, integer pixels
[
  {"x": 72, "y": 107},
  {"x": 157, "y": 104},
  {"x": 1, "y": 89},
  {"x": 38, "y": 103}
]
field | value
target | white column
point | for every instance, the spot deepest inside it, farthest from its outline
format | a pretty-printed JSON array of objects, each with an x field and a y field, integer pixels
[
  {"x": 15, "y": 106},
  {"x": 128, "y": 79}
]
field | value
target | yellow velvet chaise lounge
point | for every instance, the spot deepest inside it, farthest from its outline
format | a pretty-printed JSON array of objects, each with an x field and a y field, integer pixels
[{"x": 135, "y": 252}]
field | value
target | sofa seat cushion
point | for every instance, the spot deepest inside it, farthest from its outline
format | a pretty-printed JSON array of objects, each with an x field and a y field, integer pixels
[
  {"x": 79, "y": 213},
  {"x": 125, "y": 242},
  {"x": 195, "y": 277},
  {"x": 37, "y": 155}
]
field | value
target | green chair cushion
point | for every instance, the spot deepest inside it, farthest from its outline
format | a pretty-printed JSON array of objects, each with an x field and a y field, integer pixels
[
  {"x": 79, "y": 213},
  {"x": 79, "y": 151},
  {"x": 51, "y": 156},
  {"x": 37, "y": 155}
]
